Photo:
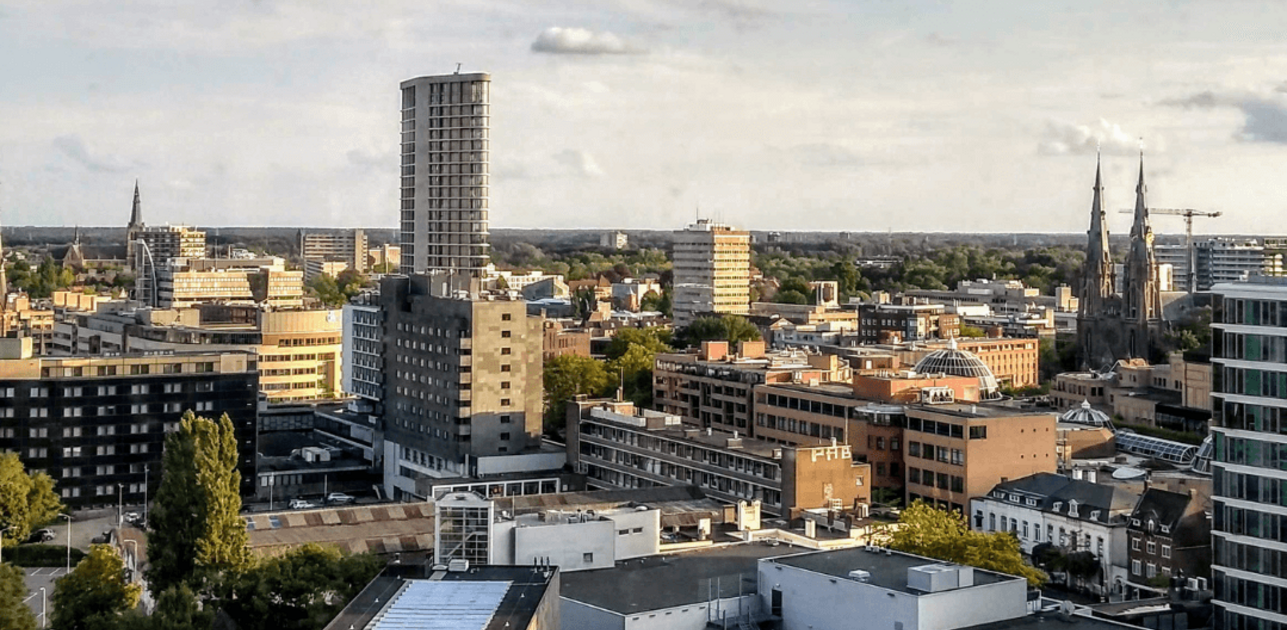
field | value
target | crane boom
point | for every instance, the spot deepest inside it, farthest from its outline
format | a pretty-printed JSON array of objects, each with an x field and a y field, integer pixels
[{"x": 1188, "y": 214}]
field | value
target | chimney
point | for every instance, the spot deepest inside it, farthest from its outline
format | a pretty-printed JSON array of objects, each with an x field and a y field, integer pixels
[
  {"x": 751, "y": 349},
  {"x": 714, "y": 350}
]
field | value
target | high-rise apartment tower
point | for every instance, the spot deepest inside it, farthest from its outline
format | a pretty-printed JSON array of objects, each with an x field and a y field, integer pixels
[{"x": 445, "y": 158}]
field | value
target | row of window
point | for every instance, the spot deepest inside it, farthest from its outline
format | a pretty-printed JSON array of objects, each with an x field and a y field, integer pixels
[
  {"x": 1249, "y": 593},
  {"x": 946, "y": 429},
  {"x": 942, "y": 481},
  {"x": 1263, "y": 453},
  {"x": 932, "y": 452},
  {"x": 800, "y": 427},
  {"x": 1253, "y": 558},
  {"x": 1263, "y": 418},
  {"x": 1021, "y": 530},
  {"x": 1244, "y": 522},
  {"x": 1265, "y": 490}
]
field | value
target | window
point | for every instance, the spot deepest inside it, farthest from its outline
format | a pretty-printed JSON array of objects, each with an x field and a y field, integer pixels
[
  {"x": 1151, "y": 547},
  {"x": 504, "y": 384},
  {"x": 914, "y": 449},
  {"x": 505, "y": 368},
  {"x": 506, "y": 350},
  {"x": 1135, "y": 567},
  {"x": 1135, "y": 544},
  {"x": 505, "y": 334},
  {"x": 1166, "y": 551},
  {"x": 504, "y": 402},
  {"x": 978, "y": 433},
  {"x": 504, "y": 436},
  {"x": 587, "y": 557},
  {"x": 505, "y": 420},
  {"x": 506, "y": 317}
]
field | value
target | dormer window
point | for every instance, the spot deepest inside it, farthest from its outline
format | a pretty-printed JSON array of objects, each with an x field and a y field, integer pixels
[
  {"x": 1059, "y": 505},
  {"x": 1152, "y": 526},
  {"x": 1014, "y": 497},
  {"x": 1072, "y": 508},
  {"x": 1135, "y": 522},
  {"x": 1094, "y": 515},
  {"x": 1166, "y": 529},
  {"x": 1032, "y": 502}
]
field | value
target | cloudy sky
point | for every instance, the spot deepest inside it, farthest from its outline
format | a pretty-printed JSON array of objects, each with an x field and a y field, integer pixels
[{"x": 847, "y": 115}]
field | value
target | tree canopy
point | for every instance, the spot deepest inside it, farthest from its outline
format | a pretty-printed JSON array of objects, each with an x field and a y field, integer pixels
[
  {"x": 95, "y": 594},
  {"x": 13, "y": 589},
  {"x": 566, "y": 377},
  {"x": 301, "y": 590},
  {"x": 928, "y": 531},
  {"x": 730, "y": 328},
  {"x": 27, "y": 500},
  {"x": 195, "y": 529}
]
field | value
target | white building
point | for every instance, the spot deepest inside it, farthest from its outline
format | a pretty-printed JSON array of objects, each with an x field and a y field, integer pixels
[
  {"x": 1073, "y": 515},
  {"x": 443, "y": 225},
  {"x": 577, "y": 540}
]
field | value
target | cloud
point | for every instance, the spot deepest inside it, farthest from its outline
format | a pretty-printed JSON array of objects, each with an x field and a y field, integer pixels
[
  {"x": 74, "y": 147},
  {"x": 824, "y": 154},
  {"x": 939, "y": 39},
  {"x": 579, "y": 41},
  {"x": 370, "y": 160},
  {"x": 1264, "y": 114},
  {"x": 1065, "y": 138},
  {"x": 579, "y": 163}
]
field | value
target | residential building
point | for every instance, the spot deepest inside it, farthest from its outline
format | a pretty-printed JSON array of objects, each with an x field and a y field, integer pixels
[
  {"x": 363, "y": 348},
  {"x": 712, "y": 271},
  {"x": 1221, "y": 260},
  {"x": 384, "y": 259},
  {"x": 462, "y": 381},
  {"x": 916, "y": 321},
  {"x": 346, "y": 246},
  {"x": 298, "y": 350},
  {"x": 1170, "y": 536},
  {"x": 956, "y": 451},
  {"x": 459, "y": 595},
  {"x": 165, "y": 243},
  {"x": 629, "y": 294},
  {"x": 1074, "y": 515},
  {"x": 20, "y": 318},
  {"x": 1249, "y": 528},
  {"x": 616, "y": 239},
  {"x": 619, "y": 446},
  {"x": 715, "y": 388},
  {"x": 445, "y": 175},
  {"x": 562, "y": 337},
  {"x": 97, "y": 425}
]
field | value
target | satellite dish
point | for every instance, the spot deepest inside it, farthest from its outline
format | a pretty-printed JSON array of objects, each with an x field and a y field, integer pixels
[{"x": 1126, "y": 473}]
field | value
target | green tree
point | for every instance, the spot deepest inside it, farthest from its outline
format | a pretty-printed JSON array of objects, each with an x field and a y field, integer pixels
[
  {"x": 655, "y": 339},
  {"x": 195, "y": 527},
  {"x": 301, "y": 590},
  {"x": 27, "y": 500},
  {"x": 935, "y": 533},
  {"x": 566, "y": 377},
  {"x": 790, "y": 296},
  {"x": 634, "y": 370},
  {"x": 325, "y": 289},
  {"x": 13, "y": 589},
  {"x": 971, "y": 331},
  {"x": 95, "y": 594},
  {"x": 730, "y": 328},
  {"x": 178, "y": 609}
]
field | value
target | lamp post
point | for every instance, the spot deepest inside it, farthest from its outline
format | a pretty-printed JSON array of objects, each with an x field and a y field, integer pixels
[
  {"x": 69, "y": 527},
  {"x": 120, "y": 506},
  {"x": 145, "y": 471},
  {"x": 44, "y": 620}
]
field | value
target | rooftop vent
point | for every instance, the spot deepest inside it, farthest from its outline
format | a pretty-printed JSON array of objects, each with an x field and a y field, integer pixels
[
  {"x": 936, "y": 578},
  {"x": 860, "y": 575},
  {"x": 458, "y": 566}
]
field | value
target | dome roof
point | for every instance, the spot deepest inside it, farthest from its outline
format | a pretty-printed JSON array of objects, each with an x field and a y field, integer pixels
[
  {"x": 1087, "y": 415},
  {"x": 953, "y": 361}
]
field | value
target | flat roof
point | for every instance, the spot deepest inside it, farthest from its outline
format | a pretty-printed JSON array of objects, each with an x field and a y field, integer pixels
[
  {"x": 415, "y": 596},
  {"x": 1049, "y": 620},
  {"x": 980, "y": 410},
  {"x": 888, "y": 570},
  {"x": 669, "y": 581}
]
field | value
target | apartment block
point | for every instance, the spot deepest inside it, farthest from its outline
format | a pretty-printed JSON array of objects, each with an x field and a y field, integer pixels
[
  {"x": 897, "y": 323},
  {"x": 958, "y": 451},
  {"x": 182, "y": 283},
  {"x": 346, "y": 246},
  {"x": 619, "y": 446},
  {"x": 446, "y": 121},
  {"x": 712, "y": 271},
  {"x": 462, "y": 380},
  {"x": 97, "y": 425},
  {"x": 363, "y": 348},
  {"x": 1249, "y": 469}
]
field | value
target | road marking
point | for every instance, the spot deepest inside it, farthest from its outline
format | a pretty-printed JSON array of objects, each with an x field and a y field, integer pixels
[{"x": 36, "y": 572}]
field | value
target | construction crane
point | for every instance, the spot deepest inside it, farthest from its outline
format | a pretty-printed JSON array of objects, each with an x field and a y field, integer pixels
[{"x": 1188, "y": 214}]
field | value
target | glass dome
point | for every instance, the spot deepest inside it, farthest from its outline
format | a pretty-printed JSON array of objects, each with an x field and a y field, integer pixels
[
  {"x": 953, "y": 361},
  {"x": 1087, "y": 415}
]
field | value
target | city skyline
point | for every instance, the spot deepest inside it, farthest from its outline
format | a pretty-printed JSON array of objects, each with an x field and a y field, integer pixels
[{"x": 636, "y": 114}]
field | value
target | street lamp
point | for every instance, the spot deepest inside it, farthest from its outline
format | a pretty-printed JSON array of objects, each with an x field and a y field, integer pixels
[
  {"x": 145, "y": 467},
  {"x": 43, "y": 619},
  {"x": 69, "y": 525},
  {"x": 120, "y": 505}
]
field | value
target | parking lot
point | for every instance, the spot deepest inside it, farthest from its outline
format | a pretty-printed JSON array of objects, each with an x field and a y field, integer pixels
[{"x": 37, "y": 579}]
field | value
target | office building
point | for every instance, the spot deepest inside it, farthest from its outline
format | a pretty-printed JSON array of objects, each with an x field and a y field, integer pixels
[
  {"x": 619, "y": 446},
  {"x": 97, "y": 425},
  {"x": 462, "y": 383},
  {"x": 184, "y": 282},
  {"x": 298, "y": 350},
  {"x": 1249, "y": 360},
  {"x": 345, "y": 246},
  {"x": 445, "y": 156},
  {"x": 898, "y": 323},
  {"x": 712, "y": 271},
  {"x": 363, "y": 349}
]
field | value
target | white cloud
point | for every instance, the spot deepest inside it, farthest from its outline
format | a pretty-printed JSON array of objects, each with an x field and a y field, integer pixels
[
  {"x": 1065, "y": 138},
  {"x": 579, "y": 163},
  {"x": 579, "y": 41}
]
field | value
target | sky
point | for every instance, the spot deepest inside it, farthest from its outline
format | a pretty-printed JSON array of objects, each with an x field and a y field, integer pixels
[{"x": 858, "y": 115}]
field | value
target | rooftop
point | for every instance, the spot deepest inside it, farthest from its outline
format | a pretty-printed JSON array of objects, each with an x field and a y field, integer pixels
[
  {"x": 658, "y": 582},
  {"x": 416, "y": 597},
  {"x": 888, "y": 569},
  {"x": 979, "y": 410},
  {"x": 1054, "y": 621}
]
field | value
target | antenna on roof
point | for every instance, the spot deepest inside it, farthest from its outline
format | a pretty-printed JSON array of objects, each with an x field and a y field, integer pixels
[{"x": 457, "y": 67}]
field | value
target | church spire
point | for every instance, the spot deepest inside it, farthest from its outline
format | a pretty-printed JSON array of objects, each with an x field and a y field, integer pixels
[
  {"x": 4, "y": 278},
  {"x": 1140, "y": 228},
  {"x": 1097, "y": 273},
  {"x": 1142, "y": 294},
  {"x": 136, "y": 214}
]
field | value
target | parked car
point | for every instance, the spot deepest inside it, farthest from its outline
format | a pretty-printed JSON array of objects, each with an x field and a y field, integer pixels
[
  {"x": 339, "y": 498},
  {"x": 42, "y": 535},
  {"x": 301, "y": 504}
]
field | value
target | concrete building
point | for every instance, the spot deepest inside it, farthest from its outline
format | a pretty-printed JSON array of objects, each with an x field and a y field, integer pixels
[
  {"x": 955, "y": 451},
  {"x": 1250, "y": 431},
  {"x": 188, "y": 282},
  {"x": 462, "y": 528},
  {"x": 19, "y": 317},
  {"x": 615, "y": 239},
  {"x": 871, "y": 588},
  {"x": 97, "y": 425},
  {"x": 577, "y": 539},
  {"x": 384, "y": 259},
  {"x": 460, "y": 595},
  {"x": 619, "y": 446},
  {"x": 1072, "y": 515},
  {"x": 462, "y": 382},
  {"x": 1221, "y": 260},
  {"x": 363, "y": 349},
  {"x": 562, "y": 337},
  {"x": 346, "y": 246},
  {"x": 445, "y": 174},
  {"x": 298, "y": 350},
  {"x": 712, "y": 271},
  {"x": 168, "y": 242},
  {"x": 897, "y": 323},
  {"x": 317, "y": 267}
]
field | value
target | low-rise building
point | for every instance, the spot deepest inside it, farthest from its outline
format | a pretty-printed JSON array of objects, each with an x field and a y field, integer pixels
[
  {"x": 913, "y": 321},
  {"x": 1170, "y": 535},
  {"x": 182, "y": 283},
  {"x": 619, "y": 446},
  {"x": 563, "y": 337},
  {"x": 346, "y": 247},
  {"x": 1074, "y": 516},
  {"x": 19, "y": 317}
]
